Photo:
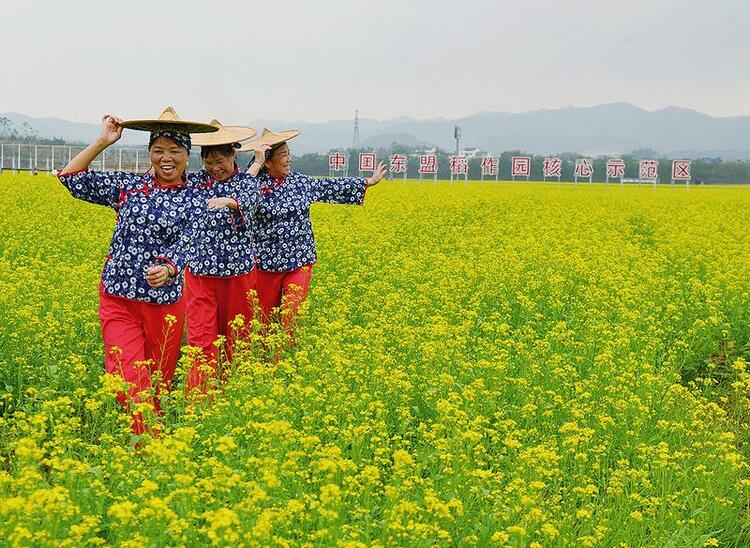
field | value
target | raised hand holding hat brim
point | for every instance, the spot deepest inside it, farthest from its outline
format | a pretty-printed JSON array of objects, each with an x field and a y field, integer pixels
[
  {"x": 110, "y": 134},
  {"x": 111, "y": 129},
  {"x": 260, "y": 159}
]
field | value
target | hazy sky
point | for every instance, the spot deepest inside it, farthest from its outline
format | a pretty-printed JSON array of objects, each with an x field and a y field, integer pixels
[{"x": 319, "y": 60}]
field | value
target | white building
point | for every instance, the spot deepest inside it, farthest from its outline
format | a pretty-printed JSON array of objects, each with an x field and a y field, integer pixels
[{"x": 471, "y": 153}]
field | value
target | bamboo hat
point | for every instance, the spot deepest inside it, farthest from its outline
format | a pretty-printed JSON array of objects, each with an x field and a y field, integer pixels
[
  {"x": 169, "y": 121},
  {"x": 269, "y": 137},
  {"x": 226, "y": 135}
]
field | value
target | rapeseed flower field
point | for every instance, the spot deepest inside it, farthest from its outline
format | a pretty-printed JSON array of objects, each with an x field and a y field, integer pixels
[{"x": 481, "y": 365}]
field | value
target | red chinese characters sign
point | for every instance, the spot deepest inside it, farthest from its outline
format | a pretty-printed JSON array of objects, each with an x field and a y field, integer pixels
[
  {"x": 428, "y": 163},
  {"x": 520, "y": 166},
  {"x": 615, "y": 168},
  {"x": 490, "y": 165},
  {"x": 337, "y": 161},
  {"x": 459, "y": 165},
  {"x": 552, "y": 167},
  {"x": 648, "y": 170},
  {"x": 367, "y": 161},
  {"x": 681, "y": 170},
  {"x": 584, "y": 168},
  {"x": 398, "y": 163}
]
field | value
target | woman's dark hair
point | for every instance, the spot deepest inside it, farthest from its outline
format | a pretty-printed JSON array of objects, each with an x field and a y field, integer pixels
[
  {"x": 222, "y": 150},
  {"x": 273, "y": 149},
  {"x": 269, "y": 154}
]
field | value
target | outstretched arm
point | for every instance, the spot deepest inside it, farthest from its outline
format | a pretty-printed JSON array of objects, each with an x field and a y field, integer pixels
[
  {"x": 101, "y": 188},
  {"x": 344, "y": 190},
  {"x": 111, "y": 133}
]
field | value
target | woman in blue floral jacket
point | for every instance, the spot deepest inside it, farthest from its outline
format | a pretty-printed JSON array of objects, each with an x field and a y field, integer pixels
[
  {"x": 220, "y": 280},
  {"x": 283, "y": 234},
  {"x": 141, "y": 306}
]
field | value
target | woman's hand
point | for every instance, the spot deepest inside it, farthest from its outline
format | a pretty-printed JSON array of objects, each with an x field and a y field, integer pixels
[
  {"x": 111, "y": 133},
  {"x": 221, "y": 203},
  {"x": 260, "y": 159},
  {"x": 377, "y": 175},
  {"x": 157, "y": 276},
  {"x": 111, "y": 129}
]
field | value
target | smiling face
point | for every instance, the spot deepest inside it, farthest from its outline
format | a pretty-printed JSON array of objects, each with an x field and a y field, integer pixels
[
  {"x": 219, "y": 161},
  {"x": 169, "y": 159},
  {"x": 279, "y": 161}
]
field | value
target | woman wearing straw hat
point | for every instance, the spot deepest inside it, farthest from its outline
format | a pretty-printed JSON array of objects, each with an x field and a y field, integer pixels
[
  {"x": 282, "y": 229},
  {"x": 222, "y": 271},
  {"x": 141, "y": 306}
]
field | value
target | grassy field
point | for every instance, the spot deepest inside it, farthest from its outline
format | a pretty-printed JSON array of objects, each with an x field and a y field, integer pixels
[{"x": 499, "y": 364}]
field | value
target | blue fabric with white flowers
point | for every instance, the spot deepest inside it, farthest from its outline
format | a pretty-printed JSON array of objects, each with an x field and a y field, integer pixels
[
  {"x": 154, "y": 226},
  {"x": 224, "y": 246},
  {"x": 282, "y": 229}
]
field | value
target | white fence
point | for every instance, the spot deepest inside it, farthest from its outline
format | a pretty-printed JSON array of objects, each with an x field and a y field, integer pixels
[{"x": 30, "y": 157}]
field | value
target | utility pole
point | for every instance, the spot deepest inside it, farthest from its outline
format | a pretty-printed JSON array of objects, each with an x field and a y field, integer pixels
[{"x": 355, "y": 140}]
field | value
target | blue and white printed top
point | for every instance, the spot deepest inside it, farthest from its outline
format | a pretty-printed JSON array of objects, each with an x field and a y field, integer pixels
[
  {"x": 282, "y": 228},
  {"x": 224, "y": 246},
  {"x": 155, "y": 225}
]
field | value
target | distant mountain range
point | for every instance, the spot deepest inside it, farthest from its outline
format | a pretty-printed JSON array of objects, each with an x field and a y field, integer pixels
[{"x": 614, "y": 128}]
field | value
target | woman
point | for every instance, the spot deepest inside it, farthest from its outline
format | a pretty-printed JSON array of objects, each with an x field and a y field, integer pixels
[
  {"x": 222, "y": 273},
  {"x": 141, "y": 308},
  {"x": 282, "y": 229}
]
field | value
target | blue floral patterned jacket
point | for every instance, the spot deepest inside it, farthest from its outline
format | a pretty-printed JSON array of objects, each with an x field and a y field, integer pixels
[
  {"x": 224, "y": 246},
  {"x": 282, "y": 228},
  {"x": 155, "y": 225}
]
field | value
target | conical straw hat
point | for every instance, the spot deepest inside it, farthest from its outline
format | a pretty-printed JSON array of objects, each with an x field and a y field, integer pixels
[
  {"x": 169, "y": 121},
  {"x": 226, "y": 135},
  {"x": 270, "y": 138}
]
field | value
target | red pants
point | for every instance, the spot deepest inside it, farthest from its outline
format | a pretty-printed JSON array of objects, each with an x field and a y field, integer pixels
[
  {"x": 212, "y": 303},
  {"x": 139, "y": 341},
  {"x": 275, "y": 289}
]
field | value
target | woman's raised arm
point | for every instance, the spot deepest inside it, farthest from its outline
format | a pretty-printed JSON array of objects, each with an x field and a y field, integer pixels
[{"x": 111, "y": 133}]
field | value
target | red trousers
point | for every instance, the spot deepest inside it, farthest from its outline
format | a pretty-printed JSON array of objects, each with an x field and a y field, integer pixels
[
  {"x": 276, "y": 289},
  {"x": 140, "y": 340},
  {"x": 212, "y": 303}
]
